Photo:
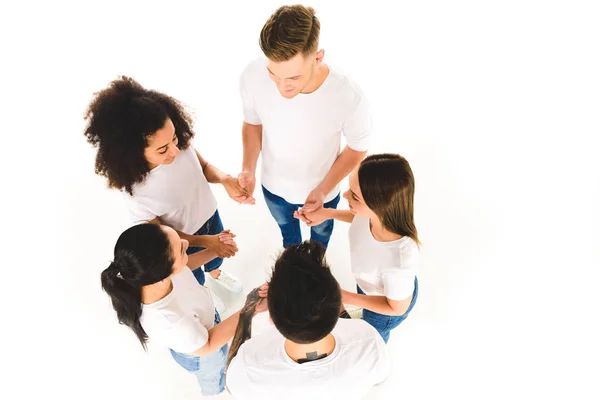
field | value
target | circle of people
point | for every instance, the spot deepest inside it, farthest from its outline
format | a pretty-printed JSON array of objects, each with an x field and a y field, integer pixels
[{"x": 156, "y": 281}]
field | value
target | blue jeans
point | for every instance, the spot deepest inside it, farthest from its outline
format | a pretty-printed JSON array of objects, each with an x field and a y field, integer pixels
[
  {"x": 213, "y": 226},
  {"x": 385, "y": 323},
  {"x": 209, "y": 370},
  {"x": 283, "y": 212}
]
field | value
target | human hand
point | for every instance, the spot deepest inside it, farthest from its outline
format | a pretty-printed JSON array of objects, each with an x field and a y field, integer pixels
[
  {"x": 222, "y": 244},
  {"x": 314, "y": 201},
  {"x": 262, "y": 305},
  {"x": 227, "y": 237},
  {"x": 313, "y": 218},
  {"x": 247, "y": 181},
  {"x": 237, "y": 192}
]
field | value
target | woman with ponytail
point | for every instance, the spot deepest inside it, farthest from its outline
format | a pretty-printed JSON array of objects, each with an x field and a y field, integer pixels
[
  {"x": 383, "y": 238},
  {"x": 145, "y": 150},
  {"x": 154, "y": 292}
]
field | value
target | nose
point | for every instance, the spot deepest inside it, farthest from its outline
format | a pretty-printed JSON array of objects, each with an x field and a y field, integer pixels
[
  {"x": 174, "y": 151},
  {"x": 346, "y": 195}
]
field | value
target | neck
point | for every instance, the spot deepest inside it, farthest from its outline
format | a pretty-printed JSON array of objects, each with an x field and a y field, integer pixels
[
  {"x": 156, "y": 291},
  {"x": 380, "y": 233},
  {"x": 312, "y": 351},
  {"x": 319, "y": 75}
]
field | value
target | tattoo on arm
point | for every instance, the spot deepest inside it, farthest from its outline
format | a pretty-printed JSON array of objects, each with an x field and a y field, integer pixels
[
  {"x": 243, "y": 330},
  {"x": 312, "y": 356}
]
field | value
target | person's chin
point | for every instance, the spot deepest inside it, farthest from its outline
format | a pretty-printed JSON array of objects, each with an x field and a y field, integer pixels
[{"x": 289, "y": 94}]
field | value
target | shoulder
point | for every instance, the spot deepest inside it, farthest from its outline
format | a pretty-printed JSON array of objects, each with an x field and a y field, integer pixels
[
  {"x": 254, "y": 70},
  {"x": 261, "y": 348},
  {"x": 345, "y": 86},
  {"x": 409, "y": 248}
]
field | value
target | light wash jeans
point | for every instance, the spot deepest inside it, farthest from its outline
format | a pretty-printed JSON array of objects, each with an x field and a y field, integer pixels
[{"x": 208, "y": 370}]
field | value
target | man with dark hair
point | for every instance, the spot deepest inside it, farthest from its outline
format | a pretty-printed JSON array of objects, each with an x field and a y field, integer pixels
[
  {"x": 296, "y": 109},
  {"x": 310, "y": 353}
]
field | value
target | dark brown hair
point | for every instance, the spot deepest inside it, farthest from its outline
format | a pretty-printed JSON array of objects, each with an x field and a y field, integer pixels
[
  {"x": 289, "y": 31},
  {"x": 388, "y": 188},
  {"x": 120, "y": 120}
]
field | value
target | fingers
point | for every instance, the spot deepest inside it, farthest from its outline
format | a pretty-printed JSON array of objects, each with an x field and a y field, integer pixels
[
  {"x": 301, "y": 216},
  {"x": 245, "y": 199}
]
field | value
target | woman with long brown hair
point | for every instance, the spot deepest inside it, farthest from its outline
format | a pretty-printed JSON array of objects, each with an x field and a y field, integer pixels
[{"x": 384, "y": 249}]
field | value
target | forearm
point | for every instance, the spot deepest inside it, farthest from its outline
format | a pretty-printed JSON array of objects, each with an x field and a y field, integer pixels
[
  {"x": 200, "y": 258},
  {"x": 211, "y": 172},
  {"x": 343, "y": 165},
  {"x": 194, "y": 240},
  {"x": 378, "y": 304},
  {"x": 340, "y": 215},
  {"x": 252, "y": 142},
  {"x": 219, "y": 335}
]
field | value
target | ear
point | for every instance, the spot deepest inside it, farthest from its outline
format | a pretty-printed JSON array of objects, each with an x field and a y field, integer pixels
[{"x": 320, "y": 55}]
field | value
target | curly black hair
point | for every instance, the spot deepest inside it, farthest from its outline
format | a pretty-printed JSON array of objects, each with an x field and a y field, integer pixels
[{"x": 120, "y": 119}]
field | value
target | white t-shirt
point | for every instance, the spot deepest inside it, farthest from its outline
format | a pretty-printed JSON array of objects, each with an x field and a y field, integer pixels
[
  {"x": 382, "y": 268},
  {"x": 302, "y": 136},
  {"x": 263, "y": 370},
  {"x": 177, "y": 193},
  {"x": 181, "y": 320}
]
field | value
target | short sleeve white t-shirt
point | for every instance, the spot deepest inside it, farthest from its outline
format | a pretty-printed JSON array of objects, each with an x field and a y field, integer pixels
[
  {"x": 177, "y": 193},
  {"x": 180, "y": 320},
  {"x": 382, "y": 268},
  {"x": 262, "y": 368},
  {"x": 302, "y": 136}
]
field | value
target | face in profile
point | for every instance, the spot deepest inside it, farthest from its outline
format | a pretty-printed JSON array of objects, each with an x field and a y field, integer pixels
[
  {"x": 292, "y": 76},
  {"x": 162, "y": 146},
  {"x": 178, "y": 247},
  {"x": 355, "y": 198}
]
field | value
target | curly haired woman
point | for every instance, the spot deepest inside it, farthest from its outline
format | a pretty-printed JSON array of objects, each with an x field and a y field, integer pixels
[{"x": 143, "y": 138}]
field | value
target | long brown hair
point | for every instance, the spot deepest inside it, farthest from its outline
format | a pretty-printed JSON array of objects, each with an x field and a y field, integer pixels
[{"x": 388, "y": 188}]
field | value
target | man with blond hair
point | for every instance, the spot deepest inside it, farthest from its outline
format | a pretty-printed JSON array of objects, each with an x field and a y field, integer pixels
[{"x": 296, "y": 109}]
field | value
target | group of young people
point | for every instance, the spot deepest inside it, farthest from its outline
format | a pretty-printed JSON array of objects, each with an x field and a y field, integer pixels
[{"x": 295, "y": 109}]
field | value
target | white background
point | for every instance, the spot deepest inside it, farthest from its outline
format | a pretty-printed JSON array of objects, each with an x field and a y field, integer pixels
[{"x": 495, "y": 105}]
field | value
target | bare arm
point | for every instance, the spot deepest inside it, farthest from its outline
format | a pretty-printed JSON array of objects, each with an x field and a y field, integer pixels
[
  {"x": 340, "y": 215},
  {"x": 211, "y": 172},
  {"x": 378, "y": 304},
  {"x": 323, "y": 214},
  {"x": 343, "y": 165},
  {"x": 252, "y": 142},
  {"x": 222, "y": 244},
  {"x": 194, "y": 240},
  {"x": 219, "y": 335},
  {"x": 200, "y": 258}
]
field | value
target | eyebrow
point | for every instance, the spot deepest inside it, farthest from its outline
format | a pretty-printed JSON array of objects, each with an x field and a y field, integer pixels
[
  {"x": 162, "y": 147},
  {"x": 354, "y": 194},
  {"x": 291, "y": 77}
]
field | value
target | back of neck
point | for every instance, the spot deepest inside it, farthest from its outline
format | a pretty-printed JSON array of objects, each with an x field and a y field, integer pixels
[{"x": 302, "y": 353}]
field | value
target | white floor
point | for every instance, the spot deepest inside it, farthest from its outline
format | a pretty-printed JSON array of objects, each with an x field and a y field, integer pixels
[{"x": 495, "y": 105}]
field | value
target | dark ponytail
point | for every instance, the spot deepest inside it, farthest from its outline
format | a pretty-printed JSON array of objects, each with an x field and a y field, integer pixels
[{"x": 143, "y": 256}]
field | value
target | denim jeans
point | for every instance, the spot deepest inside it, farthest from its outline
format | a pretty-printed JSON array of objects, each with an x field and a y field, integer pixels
[
  {"x": 209, "y": 370},
  {"x": 213, "y": 226},
  {"x": 283, "y": 212},
  {"x": 385, "y": 323}
]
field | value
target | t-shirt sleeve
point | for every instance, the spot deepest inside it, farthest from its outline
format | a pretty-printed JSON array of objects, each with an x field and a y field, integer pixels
[
  {"x": 399, "y": 282},
  {"x": 138, "y": 212},
  {"x": 186, "y": 335},
  {"x": 248, "y": 106},
  {"x": 357, "y": 127}
]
